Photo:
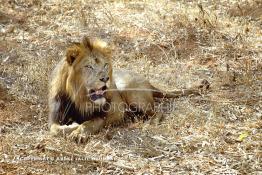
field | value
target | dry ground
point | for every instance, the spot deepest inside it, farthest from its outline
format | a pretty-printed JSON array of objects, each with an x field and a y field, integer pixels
[{"x": 174, "y": 44}]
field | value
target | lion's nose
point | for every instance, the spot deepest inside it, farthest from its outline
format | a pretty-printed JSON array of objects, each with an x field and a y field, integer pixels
[{"x": 104, "y": 79}]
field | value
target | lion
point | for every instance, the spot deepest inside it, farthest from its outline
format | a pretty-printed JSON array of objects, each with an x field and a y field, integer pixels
[{"x": 86, "y": 94}]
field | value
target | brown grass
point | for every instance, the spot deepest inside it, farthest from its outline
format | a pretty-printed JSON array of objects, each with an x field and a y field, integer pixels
[{"x": 174, "y": 44}]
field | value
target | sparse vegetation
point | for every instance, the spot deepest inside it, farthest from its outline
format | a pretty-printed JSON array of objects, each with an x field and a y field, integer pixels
[{"x": 172, "y": 43}]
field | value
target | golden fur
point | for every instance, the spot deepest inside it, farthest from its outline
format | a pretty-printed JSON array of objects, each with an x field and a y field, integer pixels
[{"x": 86, "y": 95}]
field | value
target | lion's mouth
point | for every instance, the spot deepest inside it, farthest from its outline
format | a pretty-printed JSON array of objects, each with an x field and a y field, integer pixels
[{"x": 96, "y": 94}]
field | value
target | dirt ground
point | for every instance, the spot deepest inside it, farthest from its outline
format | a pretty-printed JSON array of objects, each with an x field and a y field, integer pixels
[{"x": 174, "y": 44}]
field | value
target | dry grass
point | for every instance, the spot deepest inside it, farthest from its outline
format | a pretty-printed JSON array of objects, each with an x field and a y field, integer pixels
[{"x": 173, "y": 44}]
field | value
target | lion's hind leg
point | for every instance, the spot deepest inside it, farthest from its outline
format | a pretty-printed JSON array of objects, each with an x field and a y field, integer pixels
[{"x": 142, "y": 103}]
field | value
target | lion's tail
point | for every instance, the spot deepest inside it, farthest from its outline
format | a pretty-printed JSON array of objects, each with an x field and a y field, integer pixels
[{"x": 198, "y": 90}]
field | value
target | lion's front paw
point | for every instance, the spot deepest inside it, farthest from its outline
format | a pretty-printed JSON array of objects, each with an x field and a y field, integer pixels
[{"x": 78, "y": 136}]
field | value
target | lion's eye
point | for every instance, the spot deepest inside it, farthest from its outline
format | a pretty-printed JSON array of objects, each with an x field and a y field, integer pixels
[
  {"x": 106, "y": 66},
  {"x": 89, "y": 67}
]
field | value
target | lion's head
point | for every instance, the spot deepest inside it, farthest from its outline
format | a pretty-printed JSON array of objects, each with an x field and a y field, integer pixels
[{"x": 89, "y": 73}]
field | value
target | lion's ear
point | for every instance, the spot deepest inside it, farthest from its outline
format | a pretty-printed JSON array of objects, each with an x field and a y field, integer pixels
[
  {"x": 71, "y": 54},
  {"x": 102, "y": 46}
]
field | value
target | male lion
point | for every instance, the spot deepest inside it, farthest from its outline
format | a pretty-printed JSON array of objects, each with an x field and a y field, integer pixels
[{"x": 86, "y": 94}]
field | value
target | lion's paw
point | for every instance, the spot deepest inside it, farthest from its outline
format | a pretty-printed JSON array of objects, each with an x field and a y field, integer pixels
[{"x": 78, "y": 136}]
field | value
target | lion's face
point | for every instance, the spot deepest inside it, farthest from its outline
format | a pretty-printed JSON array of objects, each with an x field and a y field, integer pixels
[
  {"x": 95, "y": 71},
  {"x": 90, "y": 71}
]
